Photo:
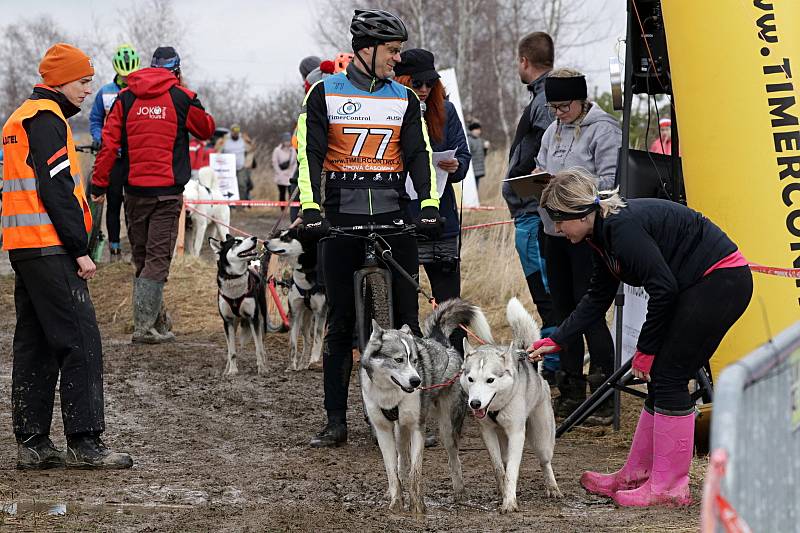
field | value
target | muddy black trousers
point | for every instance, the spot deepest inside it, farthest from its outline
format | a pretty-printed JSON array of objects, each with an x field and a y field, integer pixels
[
  {"x": 701, "y": 317},
  {"x": 56, "y": 332},
  {"x": 340, "y": 257}
]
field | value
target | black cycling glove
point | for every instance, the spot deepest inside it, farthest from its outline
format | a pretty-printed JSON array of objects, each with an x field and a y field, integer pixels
[
  {"x": 314, "y": 226},
  {"x": 429, "y": 223}
]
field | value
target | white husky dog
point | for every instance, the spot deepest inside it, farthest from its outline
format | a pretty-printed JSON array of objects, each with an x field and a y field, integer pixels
[
  {"x": 512, "y": 404},
  {"x": 307, "y": 301},
  {"x": 394, "y": 366},
  {"x": 205, "y": 187}
]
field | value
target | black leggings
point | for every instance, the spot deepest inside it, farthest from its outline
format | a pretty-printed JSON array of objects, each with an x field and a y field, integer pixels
[
  {"x": 569, "y": 270},
  {"x": 339, "y": 259},
  {"x": 702, "y": 316},
  {"x": 282, "y": 189},
  {"x": 445, "y": 278}
]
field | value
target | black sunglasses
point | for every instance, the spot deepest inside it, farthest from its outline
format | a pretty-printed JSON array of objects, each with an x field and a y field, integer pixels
[{"x": 418, "y": 84}]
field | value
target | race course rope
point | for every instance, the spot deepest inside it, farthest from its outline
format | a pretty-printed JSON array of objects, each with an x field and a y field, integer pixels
[{"x": 793, "y": 273}]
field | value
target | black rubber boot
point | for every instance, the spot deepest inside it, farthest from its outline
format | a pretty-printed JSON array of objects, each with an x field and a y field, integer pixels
[
  {"x": 88, "y": 452},
  {"x": 604, "y": 414},
  {"x": 37, "y": 452},
  {"x": 333, "y": 435},
  {"x": 573, "y": 393}
]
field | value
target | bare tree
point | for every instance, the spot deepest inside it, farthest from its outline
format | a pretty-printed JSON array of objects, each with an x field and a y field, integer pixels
[
  {"x": 22, "y": 46},
  {"x": 150, "y": 24}
]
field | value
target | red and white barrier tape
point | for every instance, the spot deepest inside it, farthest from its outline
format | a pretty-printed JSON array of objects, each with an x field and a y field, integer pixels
[
  {"x": 716, "y": 509},
  {"x": 775, "y": 271},
  {"x": 242, "y": 203},
  {"x": 221, "y": 223},
  {"x": 486, "y": 225},
  {"x": 755, "y": 267}
]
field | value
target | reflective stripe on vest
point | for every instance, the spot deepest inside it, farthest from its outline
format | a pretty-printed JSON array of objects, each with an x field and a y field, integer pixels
[{"x": 25, "y": 221}]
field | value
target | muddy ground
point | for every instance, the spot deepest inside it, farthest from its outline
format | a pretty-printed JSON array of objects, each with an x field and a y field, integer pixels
[{"x": 231, "y": 454}]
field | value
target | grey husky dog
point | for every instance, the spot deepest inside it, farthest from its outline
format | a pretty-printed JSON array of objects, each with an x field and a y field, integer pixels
[
  {"x": 512, "y": 404},
  {"x": 396, "y": 370}
]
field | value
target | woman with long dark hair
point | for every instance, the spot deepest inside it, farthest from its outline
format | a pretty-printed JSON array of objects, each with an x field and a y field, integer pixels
[{"x": 440, "y": 258}]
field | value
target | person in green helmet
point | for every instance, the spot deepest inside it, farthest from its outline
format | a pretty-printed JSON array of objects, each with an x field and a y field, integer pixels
[{"x": 125, "y": 60}]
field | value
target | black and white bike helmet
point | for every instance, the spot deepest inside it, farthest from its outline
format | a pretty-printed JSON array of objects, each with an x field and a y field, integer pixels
[{"x": 379, "y": 25}]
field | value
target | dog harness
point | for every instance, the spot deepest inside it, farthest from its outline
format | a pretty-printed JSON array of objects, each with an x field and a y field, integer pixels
[
  {"x": 308, "y": 293},
  {"x": 253, "y": 281}
]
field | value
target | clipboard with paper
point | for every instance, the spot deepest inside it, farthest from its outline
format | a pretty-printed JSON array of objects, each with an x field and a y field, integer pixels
[
  {"x": 530, "y": 184},
  {"x": 441, "y": 175}
]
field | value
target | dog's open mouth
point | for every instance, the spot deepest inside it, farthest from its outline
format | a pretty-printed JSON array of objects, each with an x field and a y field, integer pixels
[
  {"x": 252, "y": 252},
  {"x": 409, "y": 390},
  {"x": 482, "y": 412}
]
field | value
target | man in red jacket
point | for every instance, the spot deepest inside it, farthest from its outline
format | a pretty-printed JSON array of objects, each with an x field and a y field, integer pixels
[{"x": 149, "y": 126}]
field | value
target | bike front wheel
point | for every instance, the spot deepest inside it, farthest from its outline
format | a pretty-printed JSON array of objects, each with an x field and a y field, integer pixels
[{"x": 374, "y": 301}]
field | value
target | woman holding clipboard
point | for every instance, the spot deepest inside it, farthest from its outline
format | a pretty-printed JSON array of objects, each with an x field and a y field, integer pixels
[
  {"x": 440, "y": 258},
  {"x": 586, "y": 136}
]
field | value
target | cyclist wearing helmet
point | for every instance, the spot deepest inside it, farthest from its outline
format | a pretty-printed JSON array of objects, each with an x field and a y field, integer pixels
[
  {"x": 125, "y": 61},
  {"x": 360, "y": 134}
]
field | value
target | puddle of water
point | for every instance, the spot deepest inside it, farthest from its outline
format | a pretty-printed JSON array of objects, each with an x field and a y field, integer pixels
[{"x": 52, "y": 508}]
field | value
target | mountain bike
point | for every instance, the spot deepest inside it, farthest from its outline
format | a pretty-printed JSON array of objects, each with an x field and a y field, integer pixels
[{"x": 373, "y": 280}]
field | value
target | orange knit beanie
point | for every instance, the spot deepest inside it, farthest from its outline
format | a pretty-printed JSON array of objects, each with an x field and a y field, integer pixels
[{"x": 64, "y": 63}]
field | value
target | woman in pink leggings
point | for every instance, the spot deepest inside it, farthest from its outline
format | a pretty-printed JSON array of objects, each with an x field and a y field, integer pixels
[{"x": 699, "y": 285}]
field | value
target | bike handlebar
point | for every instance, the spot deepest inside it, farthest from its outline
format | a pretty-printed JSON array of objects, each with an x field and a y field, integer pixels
[
  {"x": 86, "y": 148},
  {"x": 371, "y": 228}
]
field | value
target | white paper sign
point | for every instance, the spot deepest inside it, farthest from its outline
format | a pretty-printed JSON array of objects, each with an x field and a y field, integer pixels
[
  {"x": 225, "y": 167},
  {"x": 633, "y": 315},
  {"x": 441, "y": 175},
  {"x": 448, "y": 78}
]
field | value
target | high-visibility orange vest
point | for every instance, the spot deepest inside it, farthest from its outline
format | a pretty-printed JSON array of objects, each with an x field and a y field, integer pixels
[{"x": 26, "y": 223}]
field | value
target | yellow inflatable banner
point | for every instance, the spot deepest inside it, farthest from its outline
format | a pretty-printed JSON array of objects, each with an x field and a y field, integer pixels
[{"x": 736, "y": 82}]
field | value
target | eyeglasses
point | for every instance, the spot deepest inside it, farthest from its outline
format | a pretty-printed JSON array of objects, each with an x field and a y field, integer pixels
[
  {"x": 564, "y": 108},
  {"x": 418, "y": 84}
]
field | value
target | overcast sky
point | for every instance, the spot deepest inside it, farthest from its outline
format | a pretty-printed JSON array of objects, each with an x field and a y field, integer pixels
[{"x": 264, "y": 40}]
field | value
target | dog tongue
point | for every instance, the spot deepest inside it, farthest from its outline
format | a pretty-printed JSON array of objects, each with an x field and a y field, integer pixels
[{"x": 479, "y": 413}]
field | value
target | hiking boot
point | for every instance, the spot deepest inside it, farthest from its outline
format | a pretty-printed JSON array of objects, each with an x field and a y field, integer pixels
[
  {"x": 38, "y": 452},
  {"x": 148, "y": 298},
  {"x": 573, "y": 393},
  {"x": 604, "y": 414},
  {"x": 89, "y": 452},
  {"x": 332, "y": 436}
]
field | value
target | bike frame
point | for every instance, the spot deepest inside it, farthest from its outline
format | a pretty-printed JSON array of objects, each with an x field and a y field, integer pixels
[{"x": 378, "y": 260}]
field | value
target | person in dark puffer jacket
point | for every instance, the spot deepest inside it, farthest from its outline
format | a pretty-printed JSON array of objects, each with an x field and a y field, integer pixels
[
  {"x": 440, "y": 258},
  {"x": 150, "y": 123}
]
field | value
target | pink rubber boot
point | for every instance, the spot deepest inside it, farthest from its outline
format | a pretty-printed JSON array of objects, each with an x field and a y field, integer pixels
[
  {"x": 673, "y": 444},
  {"x": 636, "y": 469}
]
